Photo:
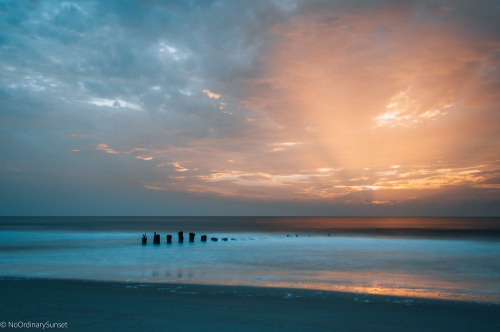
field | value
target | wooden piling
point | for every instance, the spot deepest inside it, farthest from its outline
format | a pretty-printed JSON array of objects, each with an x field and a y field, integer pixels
[
  {"x": 169, "y": 239},
  {"x": 181, "y": 237},
  {"x": 203, "y": 238},
  {"x": 191, "y": 237},
  {"x": 156, "y": 238},
  {"x": 214, "y": 239},
  {"x": 144, "y": 239}
]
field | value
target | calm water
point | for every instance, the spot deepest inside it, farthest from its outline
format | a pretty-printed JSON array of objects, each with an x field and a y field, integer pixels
[{"x": 449, "y": 258}]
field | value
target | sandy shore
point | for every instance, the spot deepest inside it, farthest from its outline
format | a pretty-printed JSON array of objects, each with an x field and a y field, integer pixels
[{"x": 105, "y": 306}]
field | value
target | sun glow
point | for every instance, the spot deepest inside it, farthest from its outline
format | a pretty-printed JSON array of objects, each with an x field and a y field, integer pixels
[{"x": 336, "y": 118}]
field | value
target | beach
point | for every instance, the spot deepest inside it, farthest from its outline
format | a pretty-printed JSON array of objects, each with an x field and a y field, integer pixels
[
  {"x": 308, "y": 274},
  {"x": 104, "y": 306}
]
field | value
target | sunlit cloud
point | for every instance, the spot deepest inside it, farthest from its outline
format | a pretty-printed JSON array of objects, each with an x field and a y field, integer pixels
[
  {"x": 338, "y": 118},
  {"x": 144, "y": 158},
  {"x": 403, "y": 111},
  {"x": 284, "y": 146},
  {"x": 211, "y": 94},
  {"x": 358, "y": 105},
  {"x": 104, "y": 147},
  {"x": 383, "y": 202},
  {"x": 180, "y": 168},
  {"x": 115, "y": 103}
]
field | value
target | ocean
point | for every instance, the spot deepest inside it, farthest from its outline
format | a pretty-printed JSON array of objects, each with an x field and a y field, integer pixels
[{"x": 441, "y": 258}]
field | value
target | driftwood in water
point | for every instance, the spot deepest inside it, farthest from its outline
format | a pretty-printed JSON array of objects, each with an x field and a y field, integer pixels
[
  {"x": 191, "y": 237},
  {"x": 203, "y": 238},
  {"x": 214, "y": 239},
  {"x": 181, "y": 237},
  {"x": 156, "y": 239},
  {"x": 169, "y": 239},
  {"x": 224, "y": 239},
  {"x": 144, "y": 238}
]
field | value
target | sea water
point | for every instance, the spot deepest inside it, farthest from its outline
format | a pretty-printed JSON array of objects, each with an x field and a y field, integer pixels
[{"x": 447, "y": 258}]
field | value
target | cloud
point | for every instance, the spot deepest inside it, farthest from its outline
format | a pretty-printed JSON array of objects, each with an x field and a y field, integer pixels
[
  {"x": 144, "y": 158},
  {"x": 76, "y": 134},
  {"x": 104, "y": 147},
  {"x": 113, "y": 103},
  {"x": 403, "y": 111},
  {"x": 211, "y": 95},
  {"x": 300, "y": 101},
  {"x": 179, "y": 168}
]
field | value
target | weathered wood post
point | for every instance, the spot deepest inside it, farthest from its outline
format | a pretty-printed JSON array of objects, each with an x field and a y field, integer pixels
[
  {"x": 144, "y": 238},
  {"x": 214, "y": 239},
  {"x": 156, "y": 239},
  {"x": 181, "y": 237},
  {"x": 203, "y": 238},
  {"x": 191, "y": 237},
  {"x": 224, "y": 239},
  {"x": 169, "y": 239}
]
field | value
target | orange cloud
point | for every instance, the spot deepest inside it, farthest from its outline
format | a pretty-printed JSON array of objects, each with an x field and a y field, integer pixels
[
  {"x": 104, "y": 147},
  {"x": 376, "y": 108},
  {"x": 144, "y": 158},
  {"x": 211, "y": 94},
  {"x": 370, "y": 90}
]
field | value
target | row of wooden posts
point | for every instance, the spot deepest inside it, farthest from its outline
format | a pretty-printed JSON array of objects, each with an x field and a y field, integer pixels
[{"x": 156, "y": 238}]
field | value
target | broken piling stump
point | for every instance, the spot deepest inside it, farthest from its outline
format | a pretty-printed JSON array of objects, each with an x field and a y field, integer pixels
[
  {"x": 191, "y": 237},
  {"x": 214, "y": 239},
  {"x": 169, "y": 239},
  {"x": 144, "y": 238},
  {"x": 203, "y": 238},
  {"x": 224, "y": 239},
  {"x": 156, "y": 238},
  {"x": 181, "y": 237}
]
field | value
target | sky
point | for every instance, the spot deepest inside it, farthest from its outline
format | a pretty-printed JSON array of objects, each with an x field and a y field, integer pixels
[{"x": 277, "y": 107}]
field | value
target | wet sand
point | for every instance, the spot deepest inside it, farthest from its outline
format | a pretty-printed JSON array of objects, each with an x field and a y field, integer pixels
[{"x": 104, "y": 306}]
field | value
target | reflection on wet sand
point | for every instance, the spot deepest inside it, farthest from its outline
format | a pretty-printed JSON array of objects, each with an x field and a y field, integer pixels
[{"x": 374, "y": 282}]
